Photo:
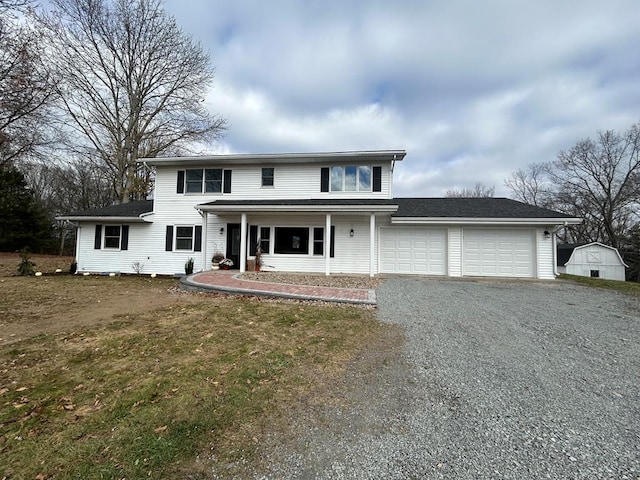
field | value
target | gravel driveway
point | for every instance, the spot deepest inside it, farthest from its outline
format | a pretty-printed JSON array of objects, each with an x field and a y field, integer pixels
[{"x": 494, "y": 380}]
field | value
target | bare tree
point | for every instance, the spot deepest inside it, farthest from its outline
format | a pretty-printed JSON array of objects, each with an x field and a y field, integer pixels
[
  {"x": 133, "y": 85},
  {"x": 479, "y": 191},
  {"x": 531, "y": 185},
  {"x": 26, "y": 85},
  {"x": 599, "y": 180}
]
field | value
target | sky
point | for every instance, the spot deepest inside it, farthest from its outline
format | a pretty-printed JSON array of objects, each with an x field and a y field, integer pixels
[{"x": 472, "y": 90}]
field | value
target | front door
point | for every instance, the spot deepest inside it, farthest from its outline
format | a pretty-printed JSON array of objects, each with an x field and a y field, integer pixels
[{"x": 233, "y": 243}]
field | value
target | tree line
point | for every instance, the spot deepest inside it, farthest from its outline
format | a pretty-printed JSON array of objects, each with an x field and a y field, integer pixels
[{"x": 87, "y": 88}]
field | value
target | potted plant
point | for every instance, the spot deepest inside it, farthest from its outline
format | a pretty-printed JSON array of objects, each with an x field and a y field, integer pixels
[
  {"x": 226, "y": 263},
  {"x": 215, "y": 261}
]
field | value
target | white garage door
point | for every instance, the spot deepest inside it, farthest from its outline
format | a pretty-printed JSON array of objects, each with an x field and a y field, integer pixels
[
  {"x": 413, "y": 250},
  {"x": 498, "y": 252}
]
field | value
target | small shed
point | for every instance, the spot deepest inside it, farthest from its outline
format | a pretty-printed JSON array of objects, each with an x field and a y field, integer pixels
[{"x": 591, "y": 260}]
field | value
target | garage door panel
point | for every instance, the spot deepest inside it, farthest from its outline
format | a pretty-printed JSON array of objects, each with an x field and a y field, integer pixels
[
  {"x": 413, "y": 250},
  {"x": 500, "y": 252}
]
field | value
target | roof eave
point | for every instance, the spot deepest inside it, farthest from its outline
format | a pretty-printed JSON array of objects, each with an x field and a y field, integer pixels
[
  {"x": 275, "y": 158},
  {"x": 320, "y": 208},
  {"x": 483, "y": 221},
  {"x": 104, "y": 219}
]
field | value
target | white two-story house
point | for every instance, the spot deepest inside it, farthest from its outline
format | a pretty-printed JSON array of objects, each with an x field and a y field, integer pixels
[{"x": 329, "y": 212}]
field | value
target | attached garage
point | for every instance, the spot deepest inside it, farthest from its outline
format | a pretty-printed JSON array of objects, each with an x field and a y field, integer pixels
[
  {"x": 498, "y": 252},
  {"x": 413, "y": 250}
]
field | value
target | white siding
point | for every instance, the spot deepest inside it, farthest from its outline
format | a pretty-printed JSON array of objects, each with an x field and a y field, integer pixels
[
  {"x": 454, "y": 249},
  {"x": 290, "y": 181},
  {"x": 146, "y": 246},
  {"x": 545, "y": 254}
]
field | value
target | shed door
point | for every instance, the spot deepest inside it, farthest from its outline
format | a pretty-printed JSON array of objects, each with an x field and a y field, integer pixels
[
  {"x": 498, "y": 252},
  {"x": 413, "y": 250}
]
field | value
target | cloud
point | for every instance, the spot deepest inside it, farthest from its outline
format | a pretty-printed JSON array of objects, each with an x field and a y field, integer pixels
[{"x": 472, "y": 90}]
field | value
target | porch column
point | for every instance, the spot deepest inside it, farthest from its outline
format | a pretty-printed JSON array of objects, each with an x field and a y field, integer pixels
[
  {"x": 243, "y": 243},
  {"x": 206, "y": 265},
  {"x": 327, "y": 244},
  {"x": 372, "y": 245}
]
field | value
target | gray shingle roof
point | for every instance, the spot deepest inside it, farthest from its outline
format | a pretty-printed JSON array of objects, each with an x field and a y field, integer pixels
[
  {"x": 407, "y": 207},
  {"x": 471, "y": 208}
]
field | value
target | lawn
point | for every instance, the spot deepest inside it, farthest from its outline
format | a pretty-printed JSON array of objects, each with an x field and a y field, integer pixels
[
  {"x": 629, "y": 288},
  {"x": 128, "y": 378}
]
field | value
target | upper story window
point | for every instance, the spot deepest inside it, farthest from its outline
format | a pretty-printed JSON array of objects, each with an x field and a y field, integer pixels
[
  {"x": 208, "y": 180},
  {"x": 267, "y": 177},
  {"x": 204, "y": 180},
  {"x": 351, "y": 178}
]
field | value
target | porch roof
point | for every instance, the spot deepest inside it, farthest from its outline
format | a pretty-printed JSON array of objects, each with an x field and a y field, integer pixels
[{"x": 331, "y": 205}]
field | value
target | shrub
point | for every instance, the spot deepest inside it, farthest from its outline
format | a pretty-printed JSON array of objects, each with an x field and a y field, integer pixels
[
  {"x": 188, "y": 266},
  {"x": 26, "y": 266}
]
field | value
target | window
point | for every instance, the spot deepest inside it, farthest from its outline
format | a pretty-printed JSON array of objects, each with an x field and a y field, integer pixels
[
  {"x": 267, "y": 177},
  {"x": 213, "y": 180},
  {"x": 184, "y": 238},
  {"x": 208, "y": 180},
  {"x": 112, "y": 236},
  {"x": 351, "y": 179},
  {"x": 318, "y": 241},
  {"x": 595, "y": 273},
  {"x": 194, "y": 181},
  {"x": 265, "y": 239},
  {"x": 292, "y": 240}
]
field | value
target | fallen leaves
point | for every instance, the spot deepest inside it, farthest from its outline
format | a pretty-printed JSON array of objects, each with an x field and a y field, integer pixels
[{"x": 160, "y": 429}]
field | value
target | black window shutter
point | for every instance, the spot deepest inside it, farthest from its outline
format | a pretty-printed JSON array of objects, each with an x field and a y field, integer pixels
[
  {"x": 332, "y": 250},
  {"x": 168, "y": 242},
  {"x": 98, "y": 241},
  {"x": 180, "y": 186},
  {"x": 324, "y": 179},
  {"x": 226, "y": 181},
  {"x": 197, "y": 241},
  {"x": 377, "y": 179},
  {"x": 253, "y": 239},
  {"x": 124, "y": 241}
]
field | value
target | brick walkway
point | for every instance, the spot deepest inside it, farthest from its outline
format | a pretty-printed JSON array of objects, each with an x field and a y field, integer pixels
[{"x": 227, "y": 282}]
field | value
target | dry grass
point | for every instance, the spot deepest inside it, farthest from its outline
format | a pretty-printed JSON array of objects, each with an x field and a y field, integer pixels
[
  {"x": 143, "y": 392},
  {"x": 629, "y": 288},
  {"x": 47, "y": 264}
]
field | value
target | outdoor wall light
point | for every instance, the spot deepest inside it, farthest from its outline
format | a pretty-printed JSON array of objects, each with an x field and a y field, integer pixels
[
  {"x": 351, "y": 233},
  {"x": 221, "y": 230},
  {"x": 547, "y": 234}
]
